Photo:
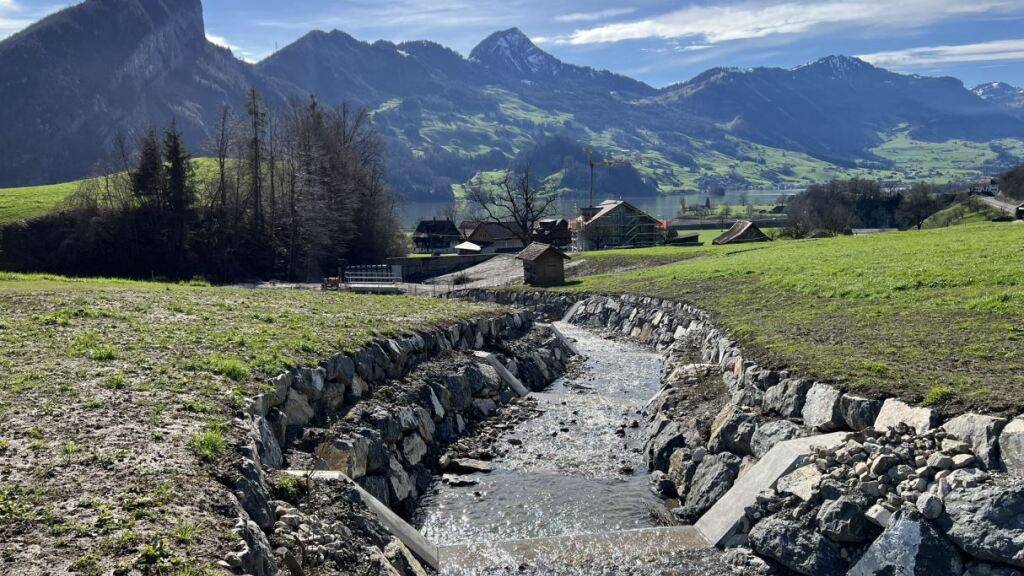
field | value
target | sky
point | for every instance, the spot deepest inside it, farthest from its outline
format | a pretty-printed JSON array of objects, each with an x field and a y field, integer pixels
[{"x": 657, "y": 41}]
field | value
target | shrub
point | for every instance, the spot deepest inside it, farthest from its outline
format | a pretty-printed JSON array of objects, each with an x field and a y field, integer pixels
[
  {"x": 209, "y": 445},
  {"x": 939, "y": 395},
  {"x": 288, "y": 488}
]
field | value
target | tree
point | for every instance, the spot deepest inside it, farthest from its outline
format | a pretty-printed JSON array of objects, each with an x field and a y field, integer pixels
[
  {"x": 180, "y": 183},
  {"x": 257, "y": 128},
  {"x": 917, "y": 205},
  {"x": 723, "y": 214},
  {"x": 517, "y": 203},
  {"x": 147, "y": 178}
]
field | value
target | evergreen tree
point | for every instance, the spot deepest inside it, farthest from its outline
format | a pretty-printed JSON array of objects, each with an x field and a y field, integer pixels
[
  {"x": 180, "y": 184},
  {"x": 147, "y": 180}
]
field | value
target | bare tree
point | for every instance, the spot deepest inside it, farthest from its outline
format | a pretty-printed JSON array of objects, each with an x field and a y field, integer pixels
[{"x": 517, "y": 203}]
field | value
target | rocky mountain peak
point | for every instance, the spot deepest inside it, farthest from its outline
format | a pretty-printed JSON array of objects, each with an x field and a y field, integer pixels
[
  {"x": 512, "y": 51},
  {"x": 837, "y": 66}
]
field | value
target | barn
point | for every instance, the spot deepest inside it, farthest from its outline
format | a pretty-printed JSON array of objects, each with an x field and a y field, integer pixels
[{"x": 543, "y": 265}]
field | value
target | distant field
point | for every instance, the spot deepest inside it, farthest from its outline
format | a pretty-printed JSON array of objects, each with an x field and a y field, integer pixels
[
  {"x": 116, "y": 395},
  {"x": 961, "y": 213},
  {"x": 935, "y": 316},
  {"x": 32, "y": 202}
]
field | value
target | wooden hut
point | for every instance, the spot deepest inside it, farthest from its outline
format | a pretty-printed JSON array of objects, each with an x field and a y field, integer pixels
[{"x": 543, "y": 265}]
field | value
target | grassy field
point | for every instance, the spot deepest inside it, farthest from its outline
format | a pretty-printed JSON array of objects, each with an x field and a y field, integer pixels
[
  {"x": 962, "y": 213},
  {"x": 114, "y": 395},
  {"x": 32, "y": 202},
  {"x": 935, "y": 316}
]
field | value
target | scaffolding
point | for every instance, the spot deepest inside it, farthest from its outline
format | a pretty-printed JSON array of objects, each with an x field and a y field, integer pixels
[{"x": 615, "y": 224}]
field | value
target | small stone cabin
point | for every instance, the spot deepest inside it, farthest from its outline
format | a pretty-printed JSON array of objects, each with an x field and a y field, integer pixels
[{"x": 543, "y": 265}]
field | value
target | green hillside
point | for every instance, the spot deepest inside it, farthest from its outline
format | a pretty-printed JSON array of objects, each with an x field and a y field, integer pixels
[
  {"x": 34, "y": 201},
  {"x": 931, "y": 316},
  {"x": 505, "y": 126}
]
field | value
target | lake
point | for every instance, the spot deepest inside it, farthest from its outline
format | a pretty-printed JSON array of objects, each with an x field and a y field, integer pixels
[{"x": 663, "y": 207}]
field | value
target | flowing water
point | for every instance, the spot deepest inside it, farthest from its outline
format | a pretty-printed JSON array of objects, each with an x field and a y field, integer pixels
[{"x": 576, "y": 469}]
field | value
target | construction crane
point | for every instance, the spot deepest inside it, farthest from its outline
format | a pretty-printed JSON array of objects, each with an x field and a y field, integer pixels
[{"x": 608, "y": 162}]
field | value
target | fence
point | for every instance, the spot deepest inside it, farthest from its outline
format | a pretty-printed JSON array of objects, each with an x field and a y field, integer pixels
[{"x": 378, "y": 278}]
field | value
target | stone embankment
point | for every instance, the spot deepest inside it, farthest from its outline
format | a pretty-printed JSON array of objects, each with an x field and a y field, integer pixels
[
  {"x": 382, "y": 416},
  {"x": 904, "y": 493}
]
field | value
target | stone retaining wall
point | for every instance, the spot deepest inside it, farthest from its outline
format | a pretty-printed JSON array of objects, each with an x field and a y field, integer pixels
[
  {"x": 355, "y": 415},
  {"x": 903, "y": 472}
]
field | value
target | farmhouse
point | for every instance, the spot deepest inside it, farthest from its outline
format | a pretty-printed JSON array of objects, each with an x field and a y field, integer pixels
[
  {"x": 436, "y": 235},
  {"x": 492, "y": 236},
  {"x": 617, "y": 224},
  {"x": 543, "y": 265},
  {"x": 553, "y": 231},
  {"x": 742, "y": 231}
]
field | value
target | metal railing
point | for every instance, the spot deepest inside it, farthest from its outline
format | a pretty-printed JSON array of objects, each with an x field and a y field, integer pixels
[{"x": 383, "y": 276}]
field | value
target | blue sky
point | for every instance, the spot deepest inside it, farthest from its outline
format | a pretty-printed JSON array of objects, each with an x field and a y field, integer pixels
[{"x": 657, "y": 41}]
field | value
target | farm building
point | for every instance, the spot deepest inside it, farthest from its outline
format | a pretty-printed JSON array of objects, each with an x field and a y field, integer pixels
[
  {"x": 436, "y": 235},
  {"x": 543, "y": 265},
  {"x": 491, "y": 236},
  {"x": 742, "y": 231},
  {"x": 553, "y": 231},
  {"x": 617, "y": 224}
]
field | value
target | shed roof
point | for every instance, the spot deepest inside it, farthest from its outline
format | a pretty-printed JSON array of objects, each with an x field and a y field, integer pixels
[
  {"x": 535, "y": 250},
  {"x": 742, "y": 231},
  {"x": 609, "y": 206},
  {"x": 436, "y": 227}
]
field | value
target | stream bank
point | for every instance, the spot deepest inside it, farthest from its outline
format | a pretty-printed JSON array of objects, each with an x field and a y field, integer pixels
[
  {"x": 381, "y": 416},
  {"x": 905, "y": 489}
]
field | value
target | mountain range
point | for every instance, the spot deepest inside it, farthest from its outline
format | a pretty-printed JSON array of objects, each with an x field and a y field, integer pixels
[{"x": 74, "y": 80}]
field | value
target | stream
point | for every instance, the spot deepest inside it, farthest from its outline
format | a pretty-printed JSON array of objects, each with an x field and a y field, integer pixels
[{"x": 578, "y": 468}]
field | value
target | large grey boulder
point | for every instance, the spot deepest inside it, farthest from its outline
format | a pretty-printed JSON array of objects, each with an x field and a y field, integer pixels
[
  {"x": 681, "y": 467},
  {"x": 859, "y": 413},
  {"x": 821, "y": 408},
  {"x": 981, "y": 432},
  {"x": 1011, "y": 447},
  {"x": 802, "y": 482},
  {"x": 297, "y": 409},
  {"x": 257, "y": 558},
  {"x": 787, "y": 397},
  {"x": 670, "y": 437},
  {"x": 771, "y": 433},
  {"x": 910, "y": 546},
  {"x": 895, "y": 412},
  {"x": 732, "y": 430},
  {"x": 251, "y": 491},
  {"x": 711, "y": 480},
  {"x": 799, "y": 549},
  {"x": 843, "y": 520},
  {"x": 987, "y": 522}
]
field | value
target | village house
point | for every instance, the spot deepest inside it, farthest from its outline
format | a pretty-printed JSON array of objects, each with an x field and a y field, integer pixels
[
  {"x": 436, "y": 235},
  {"x": 543, "y": 265},
  {"x": 553, "y": 231},
  {"x": 617, "y": 224},
  {"x": 492, "y": 237}
]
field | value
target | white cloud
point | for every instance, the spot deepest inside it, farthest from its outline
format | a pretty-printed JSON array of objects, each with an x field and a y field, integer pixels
[
  {"x": 221, "y": 41},
  {"x": 994, "y": 51},
  {"x": 594, "y": 16},
  {"x": 758, "y": 19}
]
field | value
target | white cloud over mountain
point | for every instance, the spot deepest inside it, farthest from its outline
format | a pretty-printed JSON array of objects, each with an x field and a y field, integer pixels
[
  {"x": 759, "y": 19},
  {"x": 993, "y": 51}
]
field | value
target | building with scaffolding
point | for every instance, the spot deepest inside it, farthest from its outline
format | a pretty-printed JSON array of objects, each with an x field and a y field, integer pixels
[{"x": 616, "y": 224}]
